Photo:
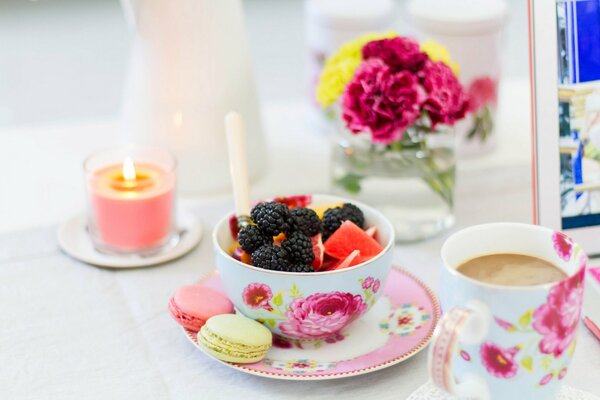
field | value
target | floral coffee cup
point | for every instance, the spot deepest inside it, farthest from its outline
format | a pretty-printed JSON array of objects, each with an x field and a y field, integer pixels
[
  {"x": 313, "y": 306},
  {"x": 507, "y": 342}
]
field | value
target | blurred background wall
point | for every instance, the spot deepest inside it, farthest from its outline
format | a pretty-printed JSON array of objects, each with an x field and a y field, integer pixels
[{"x": 63, "y": 60}]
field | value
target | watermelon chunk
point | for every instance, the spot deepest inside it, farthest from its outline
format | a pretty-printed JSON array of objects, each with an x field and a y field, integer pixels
[
  {"x": 319, "y": 251},
  {"x": 328, "y": 262},
  {"x": 349, "y": 237},
  {"x": 301, "y": 200},
  {"x": 371, "y": 231},
  {"x": 353, "y": 258}
]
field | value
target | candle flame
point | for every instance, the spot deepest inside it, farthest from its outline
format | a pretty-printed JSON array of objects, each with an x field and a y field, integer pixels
[{"x": 128, "y": 169}]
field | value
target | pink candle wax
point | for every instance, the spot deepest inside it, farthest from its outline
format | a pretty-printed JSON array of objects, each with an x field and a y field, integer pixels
[{"x": 132, "y": 210}]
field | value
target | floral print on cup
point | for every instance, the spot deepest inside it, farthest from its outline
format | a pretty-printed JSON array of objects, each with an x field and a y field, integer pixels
[
  {"x": 545, "y": 335},
  {"x": 557, "y": 320},
  {"x": 498, "y": 361},
  {"x": 314, "y": 317},
  {"x": 562, "y": 245},
  {"x": 257, "y": 295}
]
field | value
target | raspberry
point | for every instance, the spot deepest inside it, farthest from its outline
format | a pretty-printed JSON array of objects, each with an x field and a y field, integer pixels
[
  {"x": 271, "y": 257},
  {"x": 333, "y": 218},
  {"x": 300, "y": 268},
  {"x": 251, "y": 238},
  {"x": 272, "y": 218},
  {"x": 306, "y": 221},
  {"x": 299, "y": 248}
]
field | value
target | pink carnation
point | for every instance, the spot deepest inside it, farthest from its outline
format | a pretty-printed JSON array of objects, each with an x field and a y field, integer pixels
[
  {"x": 557, "y": 319},
  {"x": 381, "y": 101},
  {"x": 398, "y": 53},
  {"x": 446, "y": 100},
  {"x": 482, "y": 91},
  {"x": 321, "y": 315}
]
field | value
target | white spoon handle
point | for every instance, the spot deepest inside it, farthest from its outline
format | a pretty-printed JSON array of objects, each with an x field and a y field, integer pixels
[{"x": 238, "y": 164}]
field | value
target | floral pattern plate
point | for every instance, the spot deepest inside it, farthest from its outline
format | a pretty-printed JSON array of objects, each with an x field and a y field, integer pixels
[{"x": 398, "y": 326}]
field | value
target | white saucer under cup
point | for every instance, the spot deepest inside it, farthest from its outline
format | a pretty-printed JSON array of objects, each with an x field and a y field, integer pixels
[{"x": 73, "y": 239}]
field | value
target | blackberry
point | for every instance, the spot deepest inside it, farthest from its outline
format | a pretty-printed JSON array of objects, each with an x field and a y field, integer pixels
[
  {"x": 251, "y": 238},
  {"x": 300, "y": 268},
  {"x": 271, "y": 257},
  {"x": 333, "y": 218},
  {"x": 272, "y": 218},
  {"x": 306, "y": 221},
  {"x": 354, "y": 214},
  {"x": 299, "y": 248}
]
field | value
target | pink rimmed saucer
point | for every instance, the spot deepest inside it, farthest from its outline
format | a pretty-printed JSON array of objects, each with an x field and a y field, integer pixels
[{"x": 397, "y": 327}]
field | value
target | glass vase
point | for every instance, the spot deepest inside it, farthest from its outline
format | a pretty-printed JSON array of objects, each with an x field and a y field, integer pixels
[{"x": 411, "y": 181}]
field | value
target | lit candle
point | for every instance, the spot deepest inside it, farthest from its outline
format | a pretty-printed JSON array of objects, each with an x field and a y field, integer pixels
[{"x": 131, "y": 202}]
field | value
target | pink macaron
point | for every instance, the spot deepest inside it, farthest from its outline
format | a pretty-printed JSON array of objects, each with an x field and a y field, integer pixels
[{"x": 192, "y": 305}]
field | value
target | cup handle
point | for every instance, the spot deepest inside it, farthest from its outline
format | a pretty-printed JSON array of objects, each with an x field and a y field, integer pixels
[{"x": 467, "y": 325}]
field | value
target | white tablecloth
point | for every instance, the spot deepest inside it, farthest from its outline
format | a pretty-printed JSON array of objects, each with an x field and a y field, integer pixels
[{"x": 73, "y": 331}]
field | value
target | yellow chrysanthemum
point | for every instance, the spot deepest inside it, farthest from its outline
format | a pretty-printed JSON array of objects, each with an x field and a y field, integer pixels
[
  {"x": 340, "y": 67},
  {"x": 437, "y": 52}
]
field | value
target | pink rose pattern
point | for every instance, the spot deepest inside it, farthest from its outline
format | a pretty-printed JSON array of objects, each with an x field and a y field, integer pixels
[
  {"x": 318, "y": 316},
  {"x": 562, "y": 245},
  {"x": 557, "y": 320},
  {"x": 321, "y": 315},
  {"x": 498, "y": 361},
  {"x": 396, "y": 86}
]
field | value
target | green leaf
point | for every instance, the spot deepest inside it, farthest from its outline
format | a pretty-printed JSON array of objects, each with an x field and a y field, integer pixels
[
  {"x": 396, "y": 146},
  {"x": 350, "y": 183},
  {"x": 546, "y": 361},
  {"x": 278, "y": 299},
  {"x": 271, "y": 322},
  {"x": 525, "y": 319},
  {"x": 527, "y": 363},
  {"x": 294, "y": 292}
]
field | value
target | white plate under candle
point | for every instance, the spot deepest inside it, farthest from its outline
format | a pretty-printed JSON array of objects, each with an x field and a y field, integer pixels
[{"x": 73, "y": 239}]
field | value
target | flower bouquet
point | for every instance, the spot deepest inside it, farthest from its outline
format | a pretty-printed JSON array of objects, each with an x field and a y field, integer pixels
[{"x": 395, "y": 101}]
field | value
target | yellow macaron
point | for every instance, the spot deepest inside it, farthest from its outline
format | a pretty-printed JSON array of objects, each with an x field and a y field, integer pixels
[{"x": 235, "y": 338}]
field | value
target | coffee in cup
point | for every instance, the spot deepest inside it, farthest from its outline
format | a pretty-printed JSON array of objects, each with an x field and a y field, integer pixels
[{"x": 511, "y": 270}]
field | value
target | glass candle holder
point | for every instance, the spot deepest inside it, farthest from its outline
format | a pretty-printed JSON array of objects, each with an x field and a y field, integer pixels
[{"x": 131, "y": 198}]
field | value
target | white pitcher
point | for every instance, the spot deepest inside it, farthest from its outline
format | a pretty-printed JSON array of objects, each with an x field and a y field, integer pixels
[{"x": 189, "y": 66}]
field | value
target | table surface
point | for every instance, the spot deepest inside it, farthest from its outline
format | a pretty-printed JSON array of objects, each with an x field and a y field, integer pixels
[{"x": 74, "y": 331}]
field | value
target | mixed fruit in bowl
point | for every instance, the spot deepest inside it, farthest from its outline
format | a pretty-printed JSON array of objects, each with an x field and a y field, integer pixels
[{"x": 288, "y": 234}]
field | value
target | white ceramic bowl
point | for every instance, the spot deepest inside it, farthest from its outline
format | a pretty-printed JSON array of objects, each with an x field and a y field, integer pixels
[{"x": 306, "y": 305}]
